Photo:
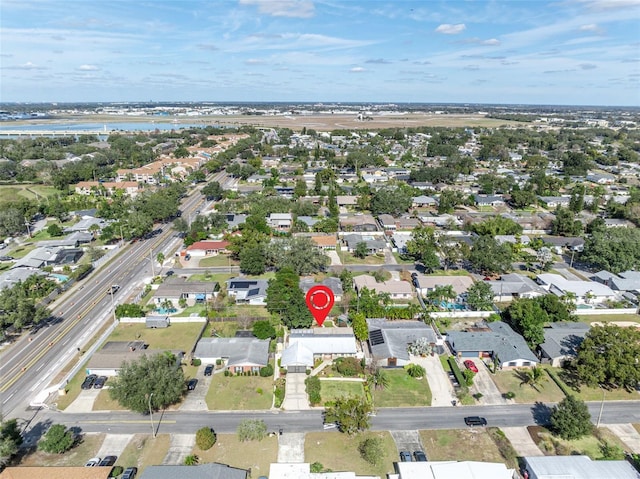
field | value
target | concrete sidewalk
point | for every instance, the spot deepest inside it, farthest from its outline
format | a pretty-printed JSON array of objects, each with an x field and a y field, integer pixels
[
  {"x": 521, "y": 441},
  {"x": 627, "y": 434}
]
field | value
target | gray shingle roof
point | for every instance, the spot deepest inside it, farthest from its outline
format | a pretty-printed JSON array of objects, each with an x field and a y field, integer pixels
[
  {"x": 239, "y": 351},
  {"x": 563, "y": 339},
  {"x": 396, "y": 336},
  {"x": 201, "y": 471}
]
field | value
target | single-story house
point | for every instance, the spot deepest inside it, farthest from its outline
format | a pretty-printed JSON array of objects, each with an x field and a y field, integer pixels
[
  {"x": 488, "y": 200},
  {"x": 513, "y": 286},
  {"x": 307, "y": 220},
  {"x": 307, "y": 345},
  {"x": 212, "y": 470},
  {"x": 358, "y": 222},
  {"x": 387, "y": 222},
  {"x": 280, "y": 221},
  {"x": 424, "y": 284},
  {"x": 234, "y": 220},
  {"x": 175, "y": 289},
  {"x": 108, "y": 360},
  {"x": 584, "y": 291},
  {"x": 453, "y": 469},
  {"x": 423, "y": 201},
  {"x": 331, "y": 282},
  {"x": 248, "y": 291},
  {"x": 555, "y": 201},
  {"x": 513, "y": 239},
  {"x": 561, "y": 341},
  {"x": 201, "y": 249},
  {"x": 601, "y": 178},
  {"x": 407, "y": 223},
  {"x": 625, "y": 281},
  {"x": 239, "y": 354},
  {"x": 389, "y": 340},
  {"x": 343, "y": 200},
  {"x": 395, "y": 289},
  {"x": 573, "y": 243},
  {"x": 56, "y": 472},
  {"x": 399, "y": 239},
  {"x": 49, "y": 256},
  {"x": 373, "y": 245},
  {"x": 8, "y": 279},
  {"x": 577, "y": 467},
  {"x": 499, "y": 342},
  {"x": 326, "y": 243},
  {"x": 86, "y": 223}
]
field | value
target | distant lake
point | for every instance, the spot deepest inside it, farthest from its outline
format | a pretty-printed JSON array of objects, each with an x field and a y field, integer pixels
[{"x": 109, "y": 126}]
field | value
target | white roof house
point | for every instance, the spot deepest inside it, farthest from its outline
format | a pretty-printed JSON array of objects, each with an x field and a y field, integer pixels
[
  {"x": 585, "y": 291},
  {"x": 305, "y": 345},
  {"x": 303, "y": 471},
  {"x": 396, "y": 289},
  {"x": 577, "y": 467},
  {"x": 451, "y": 469}
]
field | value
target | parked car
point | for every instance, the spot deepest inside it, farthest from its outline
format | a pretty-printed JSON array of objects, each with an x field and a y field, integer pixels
[
  {"x": 129, "y": 473},
  {"x": 88, "y": 381},
  {"x": 208, "y": 371},
  {"x": 99, "y": 382},
  {"x": 475, "y": 421},
  {"x": 405, "y": 456},
  {"x": 471, "y": 365},
  {"x": 108, "y": 461},
  {"x": 94, "y": 461},
  {"x": 169, "y": 273},
  {"x": 191, "y": 385},
  {"x": 419, "y": 456}
]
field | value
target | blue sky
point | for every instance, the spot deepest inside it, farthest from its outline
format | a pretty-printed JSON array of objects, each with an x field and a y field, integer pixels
[{"x": 581, "y": 52}]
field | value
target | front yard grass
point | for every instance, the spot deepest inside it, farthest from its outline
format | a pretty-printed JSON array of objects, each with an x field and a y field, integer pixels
[
  {"x": 588, "y": 445},
  {"x": 73, "y": 390},
  {"x": 339, "y": 452},
  {"x": 218, "y": 260},
  {"x": 332, "y": 390},
  {"x": 223, "y": 329},
  {"x": 594, "y": 394},
  {"x": 507, "y": 381},
  {"x": 180, "y": 336},
  {"x": 254, "y": 455},
  {"x": 403, "y": 391},
  {"x": 77, "y": 456},
  {"x": 239, "y": 393},
  {"x": 606, "y": 318},
  {"x": 348, "y": 258},
  {"x": 221, "y": 278},
  {"x": 144, "y": 450},
  {"x": 445, "y": 445},
  {"x": 104, "y": 402}
]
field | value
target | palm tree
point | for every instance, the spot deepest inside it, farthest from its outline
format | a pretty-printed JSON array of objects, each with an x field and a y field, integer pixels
[
  {"x": 534, "y": 377},
  {"x": 569, "y": 300},
  {"x": 160, "y": 258},
  {"x": 191, "y": 460},
  {"x": 379, "y": 379}
]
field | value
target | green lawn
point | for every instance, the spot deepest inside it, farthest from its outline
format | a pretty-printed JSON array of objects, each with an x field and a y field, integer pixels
[
  {"x": 78, "y": 456},
  {"x": 224, "y": 329},
  {"x": 587, "y": 445},
  {"x": 339, "y": 452},
  {"x": 348, "y": 258},
  {"x": 219, "y": 260},
  {"x": 594, "y": 394},
  {"x": 11, "y": 192},
  {"x": 245, "y": 310},
  {"x": 21, "y": 251},
  {"x": 332, "y": 390},
  {"x": 144, "y": 450},
  {"x": 239, "y": 393},
  {"x": 403, "y": 391},
  {"x": 510, "y": 381},
  {"x": 460, "y": 445},
  {"x": 206, "y": 276},
  {"x": 254, "y": 455},
  {"x": 104, "y": 402},
  {"x": 181, "y": 336},
  {"x": 73, "y": 390},
  {"x": 400, "y": 260},
  {"x": 604, "y": 318}
]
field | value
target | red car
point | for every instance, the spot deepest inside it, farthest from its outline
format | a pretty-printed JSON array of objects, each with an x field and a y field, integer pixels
[{"x": 471, "y": 365}]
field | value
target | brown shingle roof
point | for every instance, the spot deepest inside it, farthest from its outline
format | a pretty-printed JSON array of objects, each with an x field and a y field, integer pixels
[{"x": 77, "y": 472}]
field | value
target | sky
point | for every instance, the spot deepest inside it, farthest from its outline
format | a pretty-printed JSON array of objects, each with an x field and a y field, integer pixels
[{"x": 565, "y": 52}]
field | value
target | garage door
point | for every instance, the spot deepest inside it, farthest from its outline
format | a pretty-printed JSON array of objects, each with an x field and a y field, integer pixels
[
  {"x": 469, "y": 354},
  {"x": 297, "y": 369}
]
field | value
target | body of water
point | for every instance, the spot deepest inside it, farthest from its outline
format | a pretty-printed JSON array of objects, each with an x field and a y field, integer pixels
[{"x": 102, "y": 127}]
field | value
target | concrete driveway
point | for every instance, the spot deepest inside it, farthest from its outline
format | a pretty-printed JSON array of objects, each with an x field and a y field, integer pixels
[
  {"x": 407, "y": 441},
  {"x": 113, "y": 445},
  {"x": 335, "y": 259},
  {"x": 295, "y": 397},
  {"x": 291, "y": 447},
  {"x": 482, "y": 383},
  {"x": 195, "y": 400},
  {"x": 521, "y": 441},
  {"x": 627, "y": 434},
  {"x": 180, "y": 447},
  {"x": 442, "y": 393},
  {"x": 84, "y": 401}
]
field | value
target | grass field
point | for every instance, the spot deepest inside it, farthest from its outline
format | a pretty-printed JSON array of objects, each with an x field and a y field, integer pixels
[
  {"x": 460, "y": 445},
  {"x": 587, "y": 445},
  {"x": 219, "y": 277},
  {"x": 239, "y": 393},
  {"x": 218, "y": 260},
  {"x": 104, "y": 402},
  {"x": 224, "y": 329},
  {"x": 180, "y": 336},
  {"x": 73, "y": 390},
  {"x": 348, "y": 258},
  {"x": 78, "y": 456},
  {"x": 339, "y": 452},
  {"x": 594, "y": 394},
  {"x": 254, "y": 455},
  {"x": 9, "y": 193},
  {"x": 403, "y": 391},
  {"x": 246, "y": 311},
  {"x": 332, "y": 390},
  {"x": 604, "y": 318},
  {"x": 510, "y": 381},
  {"x": 144, "y": 450}
]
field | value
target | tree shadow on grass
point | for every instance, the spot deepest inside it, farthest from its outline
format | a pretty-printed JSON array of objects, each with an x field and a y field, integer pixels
[{"x": 570, "y": 377}]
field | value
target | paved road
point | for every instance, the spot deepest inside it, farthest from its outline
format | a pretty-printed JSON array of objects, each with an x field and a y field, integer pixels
[
  {"x": 188, "y": 422},
  {"x": 31, "y": 364}
]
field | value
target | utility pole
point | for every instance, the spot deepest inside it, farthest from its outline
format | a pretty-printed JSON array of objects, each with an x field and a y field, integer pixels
[
  {"x": 153, "y": 429},
  {"x": 604, "y": 392},
  {"x": 153, "y": 274},
  {"x": 113, "y": 306}
]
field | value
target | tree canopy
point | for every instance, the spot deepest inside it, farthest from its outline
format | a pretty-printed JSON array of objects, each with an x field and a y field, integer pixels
[
  {"x": 285, "y": 298},
  {"x": 57, "y": 440},
  {"x": 351, "y": 414},
  {"x": 608, "y": 356},
  {"x": 613, "y": 249},
  {"x": 155, "y": 380},
  {"x": 571, "y": 419},
  {"x": 393, "y": 201},
  {"x": 488, "y": 256},
  {"x": 528, "y": 316},
  {"x": 480, "y": 296},
  {"x": 422, "y": 247}
]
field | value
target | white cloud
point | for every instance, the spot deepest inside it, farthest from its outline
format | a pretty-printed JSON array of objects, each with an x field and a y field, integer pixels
[
  {"x": 491, "y": 41},
  {"x": 254, "y": 61},
  {"x": 357, "y": 70},
  {"x": 88, "y": 68},
  {"x": 25, "y": 66},
  {"x": 284, "y": 8},
  {"x": 449, "y": 29}
]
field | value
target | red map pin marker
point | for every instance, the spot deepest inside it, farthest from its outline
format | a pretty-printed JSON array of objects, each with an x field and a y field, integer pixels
[{"x": 320, "y": 301}]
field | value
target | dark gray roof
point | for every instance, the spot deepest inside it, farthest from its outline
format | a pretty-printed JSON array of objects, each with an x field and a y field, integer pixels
[
  {"x": 179, "y": 286},
  {"x": 201, "y": 471},
  {"x": 502, "y": 341},
  {"x": 239, "y": 351},
  {"x": 562, "y": 339},
  {"x": 331, "y": 282},
  {"x": 389, "y": 339},
  {"x": 515, "y": 283}
]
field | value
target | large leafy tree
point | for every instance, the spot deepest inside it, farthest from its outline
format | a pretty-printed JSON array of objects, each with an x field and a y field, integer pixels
[
  {"x": 155, "y": 380},
  {"x": 213, "y": 191},
  {"x": 351, "y": 414},
  {"x": 608, "y": 355},
  {"x": 529, "y": 315},
  {"x": 423, "y": 248},
  {"x": 393, "y": 201},
  {"x": 497, "y": 225},
  {"x": 285, "y": 298},
  {"x": 57, "y": 440},
  {"x": 565, "y": 223},
  {"x": 10, "y": 440},
  {"x": 252, "y": 259},
  {"x": 299, "y": 253},
  {"x": 570, "y": 419},
  {"x": 359, "y": 325},
  {"x": 613, "y": 249},
  {"x": 488, "y": 256},
  {"x": 480, "y": 296}
]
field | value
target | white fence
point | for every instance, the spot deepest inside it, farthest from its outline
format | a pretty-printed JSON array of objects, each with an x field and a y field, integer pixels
[
  {"x": 461, "y": 314},
  {"x": 172, "y": 319},
  {"x": 596, "y": 312}
]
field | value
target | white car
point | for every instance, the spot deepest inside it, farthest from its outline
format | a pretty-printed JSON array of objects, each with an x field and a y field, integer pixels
[{"x": 94, "y": 461}]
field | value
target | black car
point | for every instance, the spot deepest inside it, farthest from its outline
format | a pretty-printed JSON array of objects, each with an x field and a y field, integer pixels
[
  {"x": 169, "y": 273},
  {"x": 191, "y": 385},
  {"x": 475, "y": 421},
  {"x": 419, "y": 456},
  {"x": 405, "y": 456},
  {"x": 88, "y": 381},
  {"x": 208, "y": 370},
  {"x": 99, "y": 382},
  {"x": 108, "y": 461},
  {"x": 129, "y": 473}
]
